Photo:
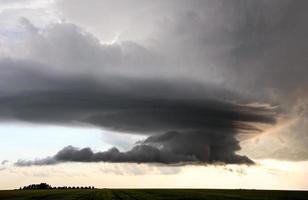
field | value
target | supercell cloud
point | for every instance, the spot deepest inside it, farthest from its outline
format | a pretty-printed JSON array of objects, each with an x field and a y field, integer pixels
[{"x": 196, "y": 79}]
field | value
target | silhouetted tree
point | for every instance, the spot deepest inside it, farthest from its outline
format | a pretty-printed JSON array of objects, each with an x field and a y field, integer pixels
[
  {"x": 41, "y": 186},
  {"x": 45, "y": 186}
]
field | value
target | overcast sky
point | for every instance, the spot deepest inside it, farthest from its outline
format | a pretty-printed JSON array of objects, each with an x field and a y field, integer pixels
[{"x": 180, "y": 87}]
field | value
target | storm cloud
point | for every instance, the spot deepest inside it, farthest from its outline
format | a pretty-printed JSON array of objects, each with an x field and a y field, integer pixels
[
  {"x": 168, "y": 148},
  {"x": 207, "y": 75},
  {"x": 206, "y": 128},
  {"x": 207, "y": 134}
]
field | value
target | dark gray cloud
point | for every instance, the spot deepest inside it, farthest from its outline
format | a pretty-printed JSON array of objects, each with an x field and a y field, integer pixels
[
  {"x": 206, "y": 127},
  {"x": 139, "y": 154},
  {"x": 208, "y": 71},
  {"x": 168, "y": 148},
  {"x": 124, "y": 105}
]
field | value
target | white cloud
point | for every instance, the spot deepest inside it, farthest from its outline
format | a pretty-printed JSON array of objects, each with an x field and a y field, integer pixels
[{"x": 24, "y": 4}]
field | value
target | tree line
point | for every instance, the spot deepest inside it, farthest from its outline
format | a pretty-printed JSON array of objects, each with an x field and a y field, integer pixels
[{"x": 45, "y": 186}]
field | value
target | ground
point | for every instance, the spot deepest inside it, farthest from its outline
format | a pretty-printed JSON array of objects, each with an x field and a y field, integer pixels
[{"x": 151, "y": 194}]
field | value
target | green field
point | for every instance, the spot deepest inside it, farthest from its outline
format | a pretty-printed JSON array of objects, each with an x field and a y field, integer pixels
[{"x": 151, "y": 194}]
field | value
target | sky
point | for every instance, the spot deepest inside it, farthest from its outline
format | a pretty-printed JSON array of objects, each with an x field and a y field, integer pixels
[{"x": 139, "y": 93}]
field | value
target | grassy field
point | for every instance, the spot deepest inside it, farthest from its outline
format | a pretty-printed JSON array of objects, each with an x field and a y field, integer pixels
[{"x": 150, "y": 194}]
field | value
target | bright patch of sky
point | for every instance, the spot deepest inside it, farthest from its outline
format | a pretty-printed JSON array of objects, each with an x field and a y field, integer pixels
[{"x": 41, "y": 140}]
